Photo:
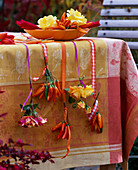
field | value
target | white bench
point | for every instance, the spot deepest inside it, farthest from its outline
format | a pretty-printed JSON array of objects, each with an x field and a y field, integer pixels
[{"x": 114, "y": 11}]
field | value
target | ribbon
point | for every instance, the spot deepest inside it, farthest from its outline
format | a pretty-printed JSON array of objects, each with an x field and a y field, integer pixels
[
  {"x": 63, "y": 69},
  {"x": 45, "y": 52},
  {"x": 93, "y": 63},
  {"x": 27, "y": 53},
  {"x": 94, "y": 110},
  {"x": 37, "y": 78},
  {"x": 93, "y": 66},
  {"x": 78, "y": 64}
]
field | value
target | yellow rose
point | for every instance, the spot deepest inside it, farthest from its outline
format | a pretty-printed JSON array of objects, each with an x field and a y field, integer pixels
[
  {"x": 47, "y": 21},
  {"x": 81, "y": 104},
  {"x": 87, "y": 109},
  {"x": 76, "y": 16},
  {"x": 87, "y": 91},
  {"x": 75, "y": 92}
]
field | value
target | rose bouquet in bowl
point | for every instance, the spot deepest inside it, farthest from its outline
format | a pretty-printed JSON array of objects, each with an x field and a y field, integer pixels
[{"x": 71, "y": 25}]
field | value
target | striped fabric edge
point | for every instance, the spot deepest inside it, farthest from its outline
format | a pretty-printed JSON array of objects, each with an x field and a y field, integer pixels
[{"x": 91, "y": 149}]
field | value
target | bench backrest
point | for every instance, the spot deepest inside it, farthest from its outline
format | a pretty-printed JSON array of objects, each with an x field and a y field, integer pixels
[{"x": 114, "y": 13}]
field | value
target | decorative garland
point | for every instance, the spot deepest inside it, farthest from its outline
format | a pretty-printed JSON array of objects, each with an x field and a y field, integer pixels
[{"x": 51, "y": 90}]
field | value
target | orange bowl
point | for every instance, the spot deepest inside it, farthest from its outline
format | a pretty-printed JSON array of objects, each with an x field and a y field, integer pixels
[{"x": 67, "y": 34}]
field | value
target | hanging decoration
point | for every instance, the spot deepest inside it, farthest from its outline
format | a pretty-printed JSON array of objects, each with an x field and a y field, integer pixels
[
  {"x": 65, "y": 127},
  {"x": 79, "y": 93},
  {"x": 30, "y": 117},
  {"x": 51, "y": 87}
]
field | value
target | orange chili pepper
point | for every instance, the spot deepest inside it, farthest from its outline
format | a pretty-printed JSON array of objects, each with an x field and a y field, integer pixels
[
  {"x": 63, "y": 126},
  {"x": 57, "y": 22},
  {"x": 67, "y": 23},
  {"x": 63, "y": 17},
  {"x": 41, "y": 95},
  {"x": 54, "y": 27},
  {"x": 62, "y": 27},
  {"x": 65, "y": 132},
  {"x": 85, "y": 25},
  {"x": 60, "y": 134},
  {"x": 39, "y": 91},
  {"x": 68, "y": 144},
  {"x": 82, "y": 30},
  {"x": 99, "y": 120},
  {"x": 57, "y": 126},
  {"x": 102, "y": 121},
  {"x": 48, "y": 83},
  {"x": 58, "y": 86},
  {"x": 96, "y": 126},
  {"x": 67, "y": 136},
  {"x": 65, "y": 115},
  {"x": 43, "y": 85},
  {"x": 33, "y": 42},
  {"x": 98, "y": 129},
  {"x": 61, "y": 131},
  {"x": 74, "y": 23},
  {"x": 55, "y": 93},
  {"x": 50, "y": 92},
  {"x": 48, "y": 98},
  {"x": 47, "y": 41},
  {"x": 94, "y": 120},
  {"x": 73, "y": 26}
]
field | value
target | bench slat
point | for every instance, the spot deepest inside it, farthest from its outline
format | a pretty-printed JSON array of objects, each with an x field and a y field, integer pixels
[
  {"x": 119, "y": 23},
  {"x": 119, "y": 12},
  {"x": 118, "y": 34},
  {"x": 120, "y": 3},
  {"x": 133, "y": 45}
]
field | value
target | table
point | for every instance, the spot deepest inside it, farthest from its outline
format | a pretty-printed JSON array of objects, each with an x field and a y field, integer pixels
[{"x": 116, "y": 80}]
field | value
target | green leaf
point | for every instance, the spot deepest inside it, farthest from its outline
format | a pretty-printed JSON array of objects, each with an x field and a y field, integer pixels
[
  {"x": 35, "y": 105},
  {"x": 21, "y": 106},
  {"x": 66, "y": 89},
  {"x": 26, "y": 107},
  {"x": 71, "y": 100},
  {"x": 74, "y": 105},
  {"x": 91, "y": 94},
  {"x": 35, "y": 114},
  {"x": 28, "y": 112}
]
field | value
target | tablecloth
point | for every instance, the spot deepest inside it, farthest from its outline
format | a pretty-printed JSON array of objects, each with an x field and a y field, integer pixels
[{"x": 116, "y": 80}]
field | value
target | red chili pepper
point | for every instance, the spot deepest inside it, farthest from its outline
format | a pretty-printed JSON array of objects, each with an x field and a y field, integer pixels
[
  {"x": 7, "y": 41},
  {"x": 10, "y": 36},
  {"x": 3, "y": 35}
]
